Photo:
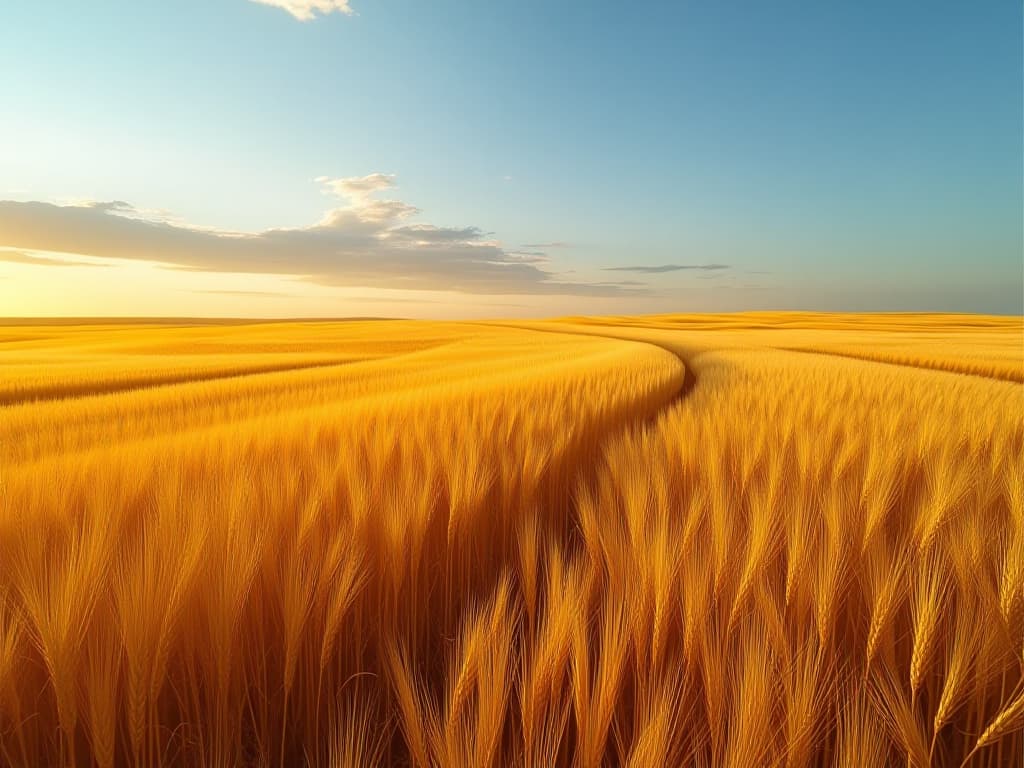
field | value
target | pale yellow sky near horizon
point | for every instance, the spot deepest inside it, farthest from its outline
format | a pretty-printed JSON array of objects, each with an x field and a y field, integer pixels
[
  {"x": 68, "y": 285},
  {"x": 47, "y": 284}
]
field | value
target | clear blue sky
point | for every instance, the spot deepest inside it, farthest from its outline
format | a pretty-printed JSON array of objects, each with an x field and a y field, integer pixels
[{"x": 815, "y": 155}]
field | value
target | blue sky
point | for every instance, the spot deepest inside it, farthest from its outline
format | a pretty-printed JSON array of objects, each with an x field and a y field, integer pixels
[{"x": 847, "y": 156}]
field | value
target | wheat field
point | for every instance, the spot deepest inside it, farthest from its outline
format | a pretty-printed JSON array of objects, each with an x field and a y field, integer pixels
[{"x": 762, "y": 539}]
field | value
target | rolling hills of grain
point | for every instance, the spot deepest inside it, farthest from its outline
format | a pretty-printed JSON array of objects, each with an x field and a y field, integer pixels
[{"x": 762, "y": 539}]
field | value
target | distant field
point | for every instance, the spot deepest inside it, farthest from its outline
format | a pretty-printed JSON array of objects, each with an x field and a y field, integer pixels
[{"x": 763, "y": 539}]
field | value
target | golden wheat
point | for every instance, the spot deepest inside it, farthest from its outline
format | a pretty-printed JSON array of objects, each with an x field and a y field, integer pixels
[{"x": 763, "y": 539}]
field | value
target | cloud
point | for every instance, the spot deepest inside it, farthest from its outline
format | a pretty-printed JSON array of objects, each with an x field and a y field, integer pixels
[
  {"x": 553, "y": 244},
  {"x": 668, "y": 268},
  {"x": 528, "y": 257},
  {"x": 428, "y": 234},
  {"x": 307, "y": 10},
  {"x": 114, "y": 206},
  {"x": 358, "y": 187},
  {"x": 18, "y": 257},
  {"x": 367, "y": 241}
]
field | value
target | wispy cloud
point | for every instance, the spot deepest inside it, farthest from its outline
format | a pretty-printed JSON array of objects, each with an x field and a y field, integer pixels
[
  {"x": 366, "y": 241},
  {"x": 307, "y": 10},
  {"x": 357, "y": 187},
  {"x": 529, "y": 257},
  {"x": 19, "y": 257},
  {"x": 623, "y": 283},
  {"x": 669, "y": 268},
  {"x": 553, "y": 244}
]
